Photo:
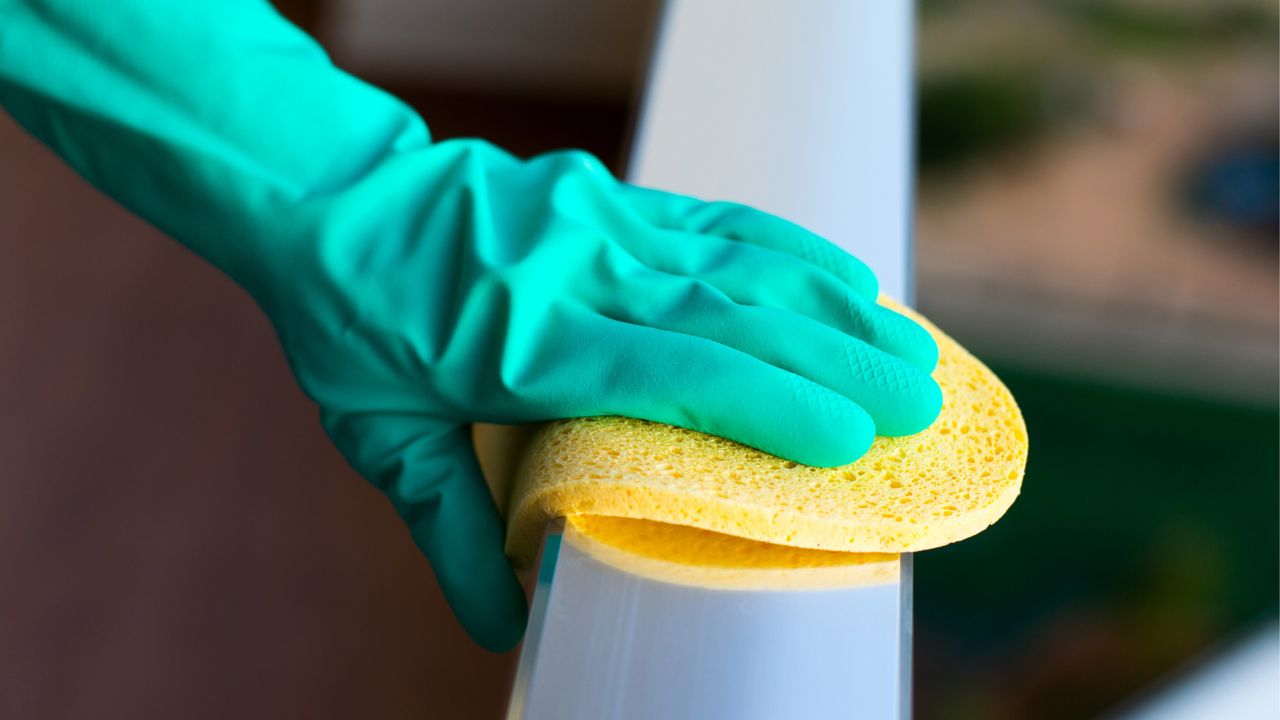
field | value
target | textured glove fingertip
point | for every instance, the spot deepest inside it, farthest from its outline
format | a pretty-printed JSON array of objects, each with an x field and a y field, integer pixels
[
  {"x": 918, "y": 409},
  {"x": 825, "y": 429}
]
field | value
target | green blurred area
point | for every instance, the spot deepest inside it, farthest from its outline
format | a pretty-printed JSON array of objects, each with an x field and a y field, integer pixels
[
  {"x": 1129, "y": 26},
  {"x": 1126, "y": 490},
  {"x": 966, "y": 114},
  {"x": 1147, "y": 534},
  {"x": 1146, "y": 518},
  {"x": 1003, "y": 94}
]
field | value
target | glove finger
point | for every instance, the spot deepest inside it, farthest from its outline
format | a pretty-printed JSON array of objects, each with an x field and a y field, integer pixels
[
  {"x": 652, "y": 374},
  {"x": 741, "y": 223},
  {"x": 900, "y": 398},
  {"x": 753, "y": 275},
  {"x": 430, "y": 474}
]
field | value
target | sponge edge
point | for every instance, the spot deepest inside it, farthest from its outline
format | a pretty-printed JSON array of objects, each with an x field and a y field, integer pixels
[
  {"x": 691, "y": 556},
  {"x": 941, "y": 485}
]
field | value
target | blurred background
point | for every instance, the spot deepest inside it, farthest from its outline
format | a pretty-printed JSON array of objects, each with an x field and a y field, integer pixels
[{"x": 1097, "y": 219}]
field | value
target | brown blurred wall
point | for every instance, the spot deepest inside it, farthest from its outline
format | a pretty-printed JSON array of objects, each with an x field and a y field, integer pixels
[{"x": 177, "y": 537}]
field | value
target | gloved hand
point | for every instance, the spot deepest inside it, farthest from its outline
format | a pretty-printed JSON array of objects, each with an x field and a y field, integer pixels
[{"x": 418, "y": 287}]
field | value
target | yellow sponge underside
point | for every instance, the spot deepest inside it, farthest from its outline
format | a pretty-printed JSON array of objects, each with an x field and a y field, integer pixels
[
  {"x": 692, "y": 556},
  {"x": 944, "y": 484}
]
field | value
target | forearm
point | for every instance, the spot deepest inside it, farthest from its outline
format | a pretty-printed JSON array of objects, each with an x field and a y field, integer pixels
[{"x": 203, "y": 116}]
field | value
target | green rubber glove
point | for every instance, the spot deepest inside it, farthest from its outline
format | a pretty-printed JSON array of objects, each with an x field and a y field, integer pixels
[{"x": 417, "y": 287}]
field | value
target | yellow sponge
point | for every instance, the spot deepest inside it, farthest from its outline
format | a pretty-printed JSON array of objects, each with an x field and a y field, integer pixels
[
  {"x": 692, "y": 556},
  {"x": 909, "y": 493}
]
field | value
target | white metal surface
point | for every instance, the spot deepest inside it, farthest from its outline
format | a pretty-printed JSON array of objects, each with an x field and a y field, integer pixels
[
  {"x": 607, "y": 644},
  {"x": 804, "y": 110}
]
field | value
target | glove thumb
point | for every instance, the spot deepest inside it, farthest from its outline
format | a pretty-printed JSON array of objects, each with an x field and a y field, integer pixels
[{"x": 430, "y": 473}]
